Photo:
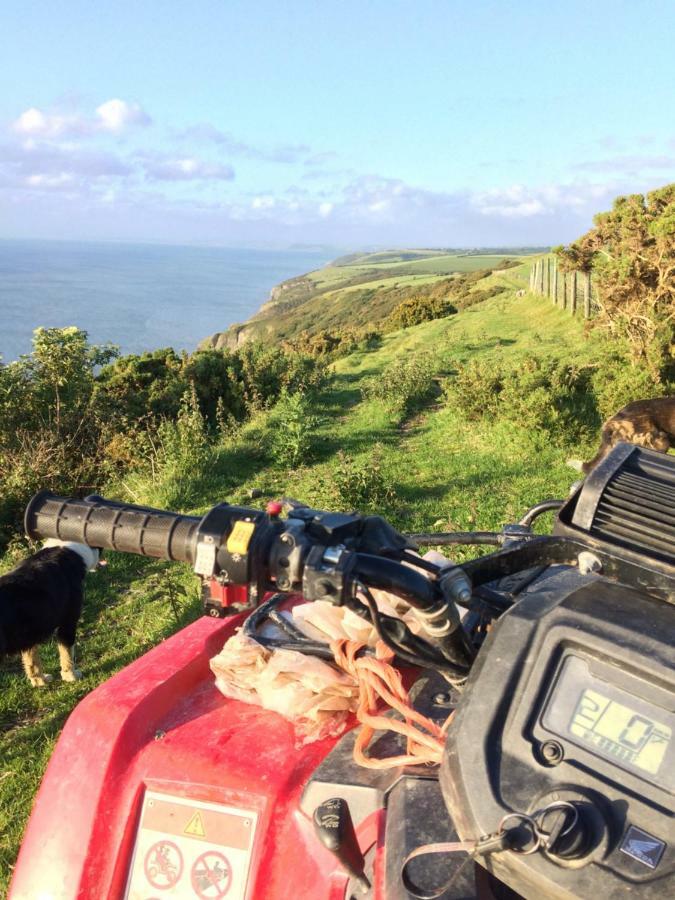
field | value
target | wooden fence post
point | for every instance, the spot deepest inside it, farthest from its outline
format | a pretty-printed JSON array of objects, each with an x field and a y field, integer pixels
[
  {"x": 573, "y": 293},
  {"x": 541, "y": 277},
  {"x": 587, "y": 295},
  {"x": 563, "y": 298},
  {"x": 555, "y": 282}
]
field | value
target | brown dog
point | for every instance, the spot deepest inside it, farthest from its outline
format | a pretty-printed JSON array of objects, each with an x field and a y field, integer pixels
[{"x": 648, "y": 423}]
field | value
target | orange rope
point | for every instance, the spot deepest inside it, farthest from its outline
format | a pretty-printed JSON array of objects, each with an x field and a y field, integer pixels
[{"x": 378, "y": 681}]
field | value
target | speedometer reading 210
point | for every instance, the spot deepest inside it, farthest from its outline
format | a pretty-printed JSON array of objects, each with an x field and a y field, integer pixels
[{"x": 619, "y": 732}]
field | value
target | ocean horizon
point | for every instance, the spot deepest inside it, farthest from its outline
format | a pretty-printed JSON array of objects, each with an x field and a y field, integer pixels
[{"x": 137, "y": 296}]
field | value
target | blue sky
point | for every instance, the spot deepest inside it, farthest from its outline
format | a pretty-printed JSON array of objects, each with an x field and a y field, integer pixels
[{"x": 346, "y": 123}]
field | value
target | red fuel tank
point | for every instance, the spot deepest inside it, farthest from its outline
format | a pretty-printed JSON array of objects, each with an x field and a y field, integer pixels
[{"x": 159, "y": 787}]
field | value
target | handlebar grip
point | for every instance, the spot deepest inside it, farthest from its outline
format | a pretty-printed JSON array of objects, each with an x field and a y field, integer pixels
[{"x": 113, "y": 526}]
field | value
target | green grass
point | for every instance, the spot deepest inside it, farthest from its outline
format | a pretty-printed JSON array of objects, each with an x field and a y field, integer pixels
[{"x": 441, "y": 469}]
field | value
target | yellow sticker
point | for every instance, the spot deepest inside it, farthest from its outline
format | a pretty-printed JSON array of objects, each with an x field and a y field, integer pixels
[
  {"x": 195, "y": 826},
  {"x": 240, "y": 537}
]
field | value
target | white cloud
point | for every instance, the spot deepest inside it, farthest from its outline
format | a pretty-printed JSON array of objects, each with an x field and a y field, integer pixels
[
  {"x": 187, "y": 168},
  {"x": 116, "y": 115},
  {"x": 265, "y": 201},
  {"x": 34, "y": 122},
  {"x": 520, "y": 201},
  {"x": 64, "y": 179},
  {"x": 112, "y": 117},
  {"x": 325, "y": 209}
]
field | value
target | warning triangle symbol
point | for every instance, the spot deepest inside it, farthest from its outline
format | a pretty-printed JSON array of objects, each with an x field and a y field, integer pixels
[{"x": 195, "y": 826}]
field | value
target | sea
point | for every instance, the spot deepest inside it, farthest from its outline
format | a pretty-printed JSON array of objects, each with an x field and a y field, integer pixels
[{"x": 137, "y": 296}]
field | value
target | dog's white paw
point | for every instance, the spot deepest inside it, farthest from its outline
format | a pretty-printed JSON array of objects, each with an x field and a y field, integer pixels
[
  {"x": 71, "y": 675},
  {"x": 41, "y": 680}
]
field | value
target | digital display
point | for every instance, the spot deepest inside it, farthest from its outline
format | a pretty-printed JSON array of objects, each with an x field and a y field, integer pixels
[
  {"x": 620, "y": 731},
  {"x": 619, "y": 717}
]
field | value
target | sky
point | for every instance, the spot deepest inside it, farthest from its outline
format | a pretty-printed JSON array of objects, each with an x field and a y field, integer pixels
[{"x": 330, "y": 122}]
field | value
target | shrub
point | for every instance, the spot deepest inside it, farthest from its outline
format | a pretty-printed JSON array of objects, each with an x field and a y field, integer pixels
[
  {"x": 419, "y": 309},
  {"x": 617, "y": 383},
  {"x": 50, "y": 424},
  {"x": 544, "y": 395},
  {"x": 138, "y": 386},
  {"x": 631, "y": 251},
  {"x": 475, "y": 388},
  {"x": 403, "y": 385},
  {"x": 550, "y": 396},
  {"x": 329, "y": 344},
  {"x": 293, "y": 426},
  {"x": 360, "y": 484},
  {"x": 181, "y": 455},
  {"x": 266, "y": 370}
]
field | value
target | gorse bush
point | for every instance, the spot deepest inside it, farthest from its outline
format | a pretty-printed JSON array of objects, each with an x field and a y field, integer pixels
[
  {"x": 631, "y": 251},
  {"x": 267, "y": 371},
  {"x": 544, "y": 395},
  {"x": 403, "y": 385},
  {"x": 50, "y": 423},
  {"x": 475, "y": 389},
  {"x": 74, "y": 416},
  {"x": 419, "y": 309},
  {"x": 471, "y": 298},
  {"x": 330, "y": 344},
  {"x": 423, "y": 303},
  {"x": 252, "y": 377},
  {"x": 618, "y": 383}
]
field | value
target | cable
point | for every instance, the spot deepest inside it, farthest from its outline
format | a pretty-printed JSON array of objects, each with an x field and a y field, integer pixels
[
  {"x": 423, "y": 655},
  {"x": 301, "y": 645},
  {"x": 443, "y": 538}
]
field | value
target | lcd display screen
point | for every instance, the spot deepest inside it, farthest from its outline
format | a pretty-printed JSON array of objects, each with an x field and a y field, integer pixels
[
  {"x": 622, "y": 726},
  {"x": 620, "y": 731}
]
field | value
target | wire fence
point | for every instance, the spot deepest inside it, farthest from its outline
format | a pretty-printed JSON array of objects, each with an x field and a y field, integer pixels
[{"x": 573, "y": 291}]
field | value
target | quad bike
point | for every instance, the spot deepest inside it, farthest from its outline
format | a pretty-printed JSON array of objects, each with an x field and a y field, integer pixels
[{"x": 558, "y": 773}]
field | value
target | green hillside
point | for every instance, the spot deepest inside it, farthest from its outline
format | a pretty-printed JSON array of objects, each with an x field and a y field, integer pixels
[{"x": 354, "y": 291}]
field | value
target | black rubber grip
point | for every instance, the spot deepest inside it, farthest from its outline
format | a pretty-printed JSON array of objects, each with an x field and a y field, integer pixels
[{"x": 113, "y": 526}]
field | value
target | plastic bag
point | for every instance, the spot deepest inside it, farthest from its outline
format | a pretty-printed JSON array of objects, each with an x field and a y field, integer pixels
[{"x": 316, "y": 695}]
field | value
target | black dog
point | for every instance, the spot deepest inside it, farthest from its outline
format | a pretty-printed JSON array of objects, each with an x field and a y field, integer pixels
[{"x": 43, "y": 595}]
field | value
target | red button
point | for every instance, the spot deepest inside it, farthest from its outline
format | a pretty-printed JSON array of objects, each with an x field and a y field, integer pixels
[{"x": 274, "y": 508}]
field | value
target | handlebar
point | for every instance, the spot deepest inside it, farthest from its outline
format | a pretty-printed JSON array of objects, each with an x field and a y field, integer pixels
[
  {"x": 327, "y": 556},
  {"x": 113, "y": 526}
]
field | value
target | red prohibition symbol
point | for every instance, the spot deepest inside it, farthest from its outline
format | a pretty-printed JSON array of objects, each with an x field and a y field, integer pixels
[
  {"x": 211, "y": 875},
  {"x": 163, "y": 865}
]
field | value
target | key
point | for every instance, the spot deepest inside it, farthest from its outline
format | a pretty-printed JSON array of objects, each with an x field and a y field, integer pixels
[{"x": 491, "y": 843}]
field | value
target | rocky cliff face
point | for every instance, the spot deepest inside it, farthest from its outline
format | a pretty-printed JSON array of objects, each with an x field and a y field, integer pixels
[
  {"x": 283, "y": 297},
  {"x": 234, "y": 337}
]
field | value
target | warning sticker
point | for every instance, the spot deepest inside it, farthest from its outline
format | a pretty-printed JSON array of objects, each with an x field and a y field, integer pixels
[
  {"x": 188, "y": 849},
  {"x": 195, "y": 826},
  {"x": 211, "y": 875},
  {"x": 163, "y": 864}
]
